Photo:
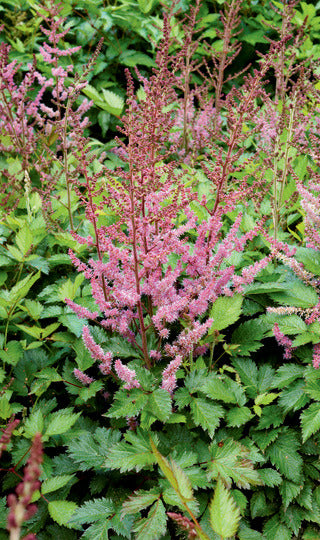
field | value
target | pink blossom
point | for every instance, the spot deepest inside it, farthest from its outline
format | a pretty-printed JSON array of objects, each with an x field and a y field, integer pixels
[
  {"x": 82, "y": 312},
  {"x": 127, "y": 375},
  {"x": 316, "y": 356},
  {"x": 169, "y": 380},
  {"x": 82, "y": 377},
  {"x": 96, "y": 352},
  {"x": 284, "y": 341}
]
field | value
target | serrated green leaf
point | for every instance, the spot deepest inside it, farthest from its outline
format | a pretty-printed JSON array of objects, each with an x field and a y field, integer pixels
[
  {"x": 225, "y": 311},
  {"x": 224, "y": 389},
  {"x": 248, "y": 373},
  {"x": 224, "y": 514},
  {"x": 206, "y": 414},
  {"x": 114, "y": 103},
  {"x": 297, "y": 294},
  {"x": 61, "y": 511},
  {"x": 34, "y": 424},
  {"x": 132, "y": 58},
  {"x": 91, "y": 511},
  {"x": 237, "y": 416},
  {"x": 5, "y": 408},
  {"x": 266, "y": 399},
  {"x": 20, "y": 290},
  {"x": 286, "y": 374},
  {"x": 310, "y": 421},
  {"x": 91, "y": 450},
  {"x": 12, "y": 353},
  {"x": 154, "y": 525},
  {"x": 127, "y": 405},
  {"x": 248, "y": 336},
  {"x": 55, "y": 482},
  {"x": 275, "y": 530},
  {"x": 294, "y": 397},
  {"x": 140, "y": 500},
  {"x": 60, "y": 422},
  {"x": 310, "y": 259},
  {"x": 24, "y": 239},
  {"x": 283, "y": 455},
  {"x": 160, "y": 404},
  {"x": 134, "y": 453},
  {"x": 270, "y": 477},
  {"x": 289, "y": 491},
  {"x": 231, "y": 461}
]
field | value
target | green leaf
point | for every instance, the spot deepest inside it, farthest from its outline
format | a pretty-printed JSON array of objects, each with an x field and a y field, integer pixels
[
  {"x": 20, "y": 290},
  {"x": 34, "y": 424},
  {"x": 248, "y": 336},
  {"x": 248, "y": 373},
  {"x": 206, "y": 414},
  {"x": 310, "y": 421},
  {"x": 90, "y": 450},
  {"x": 310, "y": 259},
  {"x": 61, "y": 511},
  {"x": 24, "y": 239},
  {"x": 91, "y": 511},
  {"x": 146, "y": 5},
  {"x": 223, "y": 388},
  {"x": 283, "y": 455},
  {"x": 224, "y": 514},
  {"x": 5, "y": 408},
  {"x": 127, "y": 405},
  {"x": 114, "y": 102},
  {"x": 270, "y": 477},
  {"x": 294, "y": 397},
  {"x": 275, "y": 530},
  {"x": 175, "y": 475},
  {"x": 140, "y": 500},
  {"x": 69, "y": 289},
  {"x": 297, "y": 294},
  {"x": 154, "y": 525},
  {"x": 237, "y": 416},
  {"x": 55, "y": 482},
  {"x": 160, "y": 404},
  {"x": 266, "y": 399},
  {"x": 286, "y": 374},
  {"x": 132, "y": 58},
  {"x": 231, "y": 461},
  {"x": 289, "y": 491},
  {"x": 12, "y": 353},
  {"x": 60, "y": 422},
  {"x": 225, "y": 311},
  {"x": 134, "y": 453}
]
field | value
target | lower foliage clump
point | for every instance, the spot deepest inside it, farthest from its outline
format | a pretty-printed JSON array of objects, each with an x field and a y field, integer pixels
[{"x": 159, "y": 310}]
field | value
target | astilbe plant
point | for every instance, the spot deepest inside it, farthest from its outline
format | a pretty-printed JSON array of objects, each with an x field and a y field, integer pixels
[
  {"x": 141, "y": 289},
  {"x": 36, "y": 128}
]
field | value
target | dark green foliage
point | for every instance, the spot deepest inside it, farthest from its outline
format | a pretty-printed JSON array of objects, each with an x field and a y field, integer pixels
[{"x": 236, "y": 445}]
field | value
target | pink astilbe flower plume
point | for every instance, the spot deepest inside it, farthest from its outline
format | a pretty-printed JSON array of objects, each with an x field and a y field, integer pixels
[
  {"x": 7, "y": 433},
  {"x": 169, "y": 380},
  {"x": 21, "y": 508},
  {"x": 82, "y": 377},
  {"x": 96, "y": 352},
  {"x": 284, "y": 341},
  {"x": 127, "y": 375}
]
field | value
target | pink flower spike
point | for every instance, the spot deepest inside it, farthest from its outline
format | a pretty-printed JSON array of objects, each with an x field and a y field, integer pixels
[
  {"x": 284, "y": 341},
  {"x": 96, "y": 352},
  {"x": 82, "y": 377},
  {"x": 81, "y": 311},
  {"x": 169, "y": 380},
  {"x": 316, "y": 356},
  {"x": 127, "y": 375}
]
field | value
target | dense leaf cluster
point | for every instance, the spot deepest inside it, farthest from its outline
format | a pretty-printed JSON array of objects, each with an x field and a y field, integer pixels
[{"x": 233, "y": 450}]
